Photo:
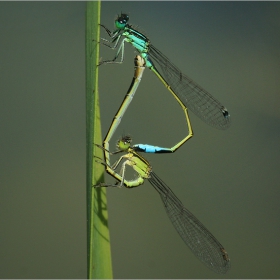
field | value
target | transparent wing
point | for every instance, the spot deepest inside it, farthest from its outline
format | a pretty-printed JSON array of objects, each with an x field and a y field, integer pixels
[
  {"x": 194, "y": 97},
  {"x": 202, "y": 243}
]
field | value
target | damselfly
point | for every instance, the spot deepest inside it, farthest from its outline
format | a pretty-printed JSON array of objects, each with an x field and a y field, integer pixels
[
  {"x": 196, "y": 236},
  {"x": 188, "y": 93}
]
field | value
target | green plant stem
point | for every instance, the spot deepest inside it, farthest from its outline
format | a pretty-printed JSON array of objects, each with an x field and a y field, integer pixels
[{"x": 98, "y": 239}]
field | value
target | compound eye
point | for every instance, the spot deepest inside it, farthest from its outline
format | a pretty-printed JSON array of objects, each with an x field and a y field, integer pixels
[
  {"x": 121, "y": 21},
  {"x": 123, "y": 18},
  {"x": 126, "y": 139}
]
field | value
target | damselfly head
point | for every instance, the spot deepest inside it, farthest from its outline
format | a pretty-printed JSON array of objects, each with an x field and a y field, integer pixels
[
  {"x": 121, "y": 21},
  {"x": 124, "y": 143},
  {"x": 126, "y": 139}
]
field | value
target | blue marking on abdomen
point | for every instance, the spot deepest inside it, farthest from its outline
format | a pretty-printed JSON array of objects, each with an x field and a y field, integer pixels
[{"x": 150, "y": 149}]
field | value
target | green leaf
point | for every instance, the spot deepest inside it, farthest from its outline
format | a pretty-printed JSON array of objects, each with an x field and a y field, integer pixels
[{"x": 98, "y": 239}]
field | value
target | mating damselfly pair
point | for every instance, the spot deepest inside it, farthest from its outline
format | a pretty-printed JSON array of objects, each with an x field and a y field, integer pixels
[{"x": 189, "y": 95}]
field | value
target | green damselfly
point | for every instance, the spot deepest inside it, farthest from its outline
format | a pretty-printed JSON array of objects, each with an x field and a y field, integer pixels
[{"x": 195, "y": 235}]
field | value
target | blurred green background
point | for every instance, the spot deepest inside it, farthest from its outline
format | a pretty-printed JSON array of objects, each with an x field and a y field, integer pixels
[{"x": 228, "y": 179}]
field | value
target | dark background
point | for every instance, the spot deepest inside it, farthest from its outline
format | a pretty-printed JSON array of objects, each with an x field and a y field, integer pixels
[{"x": 228, "y": 179}]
